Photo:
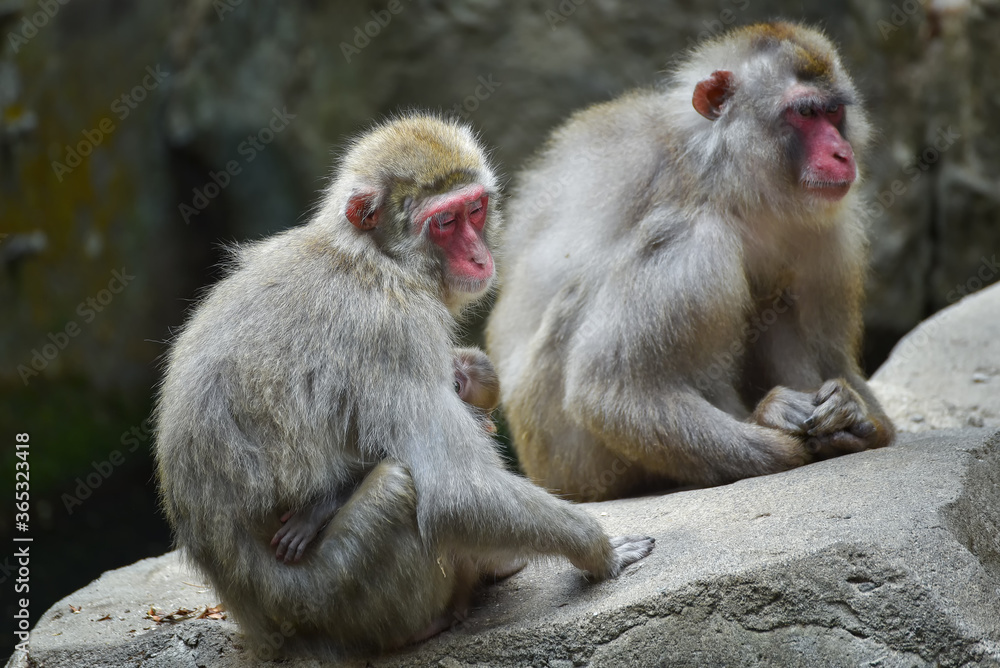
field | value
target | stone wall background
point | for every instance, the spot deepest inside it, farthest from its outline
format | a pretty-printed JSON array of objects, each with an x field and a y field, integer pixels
[{"x": 92, "y": 183}]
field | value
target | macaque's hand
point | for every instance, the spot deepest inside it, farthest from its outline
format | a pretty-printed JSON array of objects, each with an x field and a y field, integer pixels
[
  {"x": 300, "y": 528},
  {"x": 489, "y": 426},
  {"x": 840, "y": 421},
  {"x": 627, "y": 551},
  {"x": 786, "y": 410}
]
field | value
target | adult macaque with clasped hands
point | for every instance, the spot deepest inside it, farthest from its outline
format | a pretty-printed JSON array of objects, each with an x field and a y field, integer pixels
[
  {"x": 687, "y": 310},
  {"x": 318, "y": 378}
]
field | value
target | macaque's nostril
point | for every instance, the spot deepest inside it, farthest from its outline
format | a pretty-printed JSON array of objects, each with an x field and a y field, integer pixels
[{"x": 844, "y": 153}]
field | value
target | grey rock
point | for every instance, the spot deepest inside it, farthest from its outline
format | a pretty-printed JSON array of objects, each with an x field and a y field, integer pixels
[
  {"x": 884, "y": 558},
  {"x": 946, "y": 372}
]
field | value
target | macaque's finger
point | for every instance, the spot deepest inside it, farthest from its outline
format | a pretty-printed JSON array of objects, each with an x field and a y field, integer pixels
[
  {"x": 838, "y": 408},
  {"x": 784, "y": 409}
]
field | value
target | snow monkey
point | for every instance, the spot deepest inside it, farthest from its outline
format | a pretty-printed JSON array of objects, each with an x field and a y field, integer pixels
[
  {"x": 682, "y": 303},
  {"x": 476, "y": 383},
  {"x": 320, "y": 374}
]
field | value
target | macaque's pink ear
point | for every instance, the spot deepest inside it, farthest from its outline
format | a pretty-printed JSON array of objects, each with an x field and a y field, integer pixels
[
  {"x": 711, "y": 94},
  {"x": 362, "y": 210}
]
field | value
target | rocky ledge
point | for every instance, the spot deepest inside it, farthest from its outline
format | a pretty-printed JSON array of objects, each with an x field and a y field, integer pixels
[{"x": 884, "y": 558}]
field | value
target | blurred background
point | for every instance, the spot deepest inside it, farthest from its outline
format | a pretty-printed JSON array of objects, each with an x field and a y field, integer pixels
[{"x": 135, "y": 137}]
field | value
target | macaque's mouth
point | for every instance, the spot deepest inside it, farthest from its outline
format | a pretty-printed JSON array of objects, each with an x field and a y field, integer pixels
[
  {"x": 470, "y": 285},
  {"x": 828, "y": 190}
]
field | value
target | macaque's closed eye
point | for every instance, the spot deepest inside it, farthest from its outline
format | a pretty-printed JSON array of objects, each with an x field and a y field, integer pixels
[
  {"x": 477, "y": 211},
  {"x": 443, "y": 221}
]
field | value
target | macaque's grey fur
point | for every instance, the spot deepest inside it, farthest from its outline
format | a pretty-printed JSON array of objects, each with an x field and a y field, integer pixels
[
  {"x": 666, "y": 271},
  {"x": 321, "y": 363}
]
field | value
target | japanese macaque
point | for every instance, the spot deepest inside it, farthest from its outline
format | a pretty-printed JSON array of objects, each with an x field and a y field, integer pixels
[
  {"x": 476, "y": 383},
  {"x": 318, "y": 376},
  {"x": 682, "y": 303}
]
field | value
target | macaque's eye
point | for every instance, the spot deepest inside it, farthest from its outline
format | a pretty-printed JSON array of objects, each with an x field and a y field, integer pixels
[
  {"x": 443, "y": 221},
  {"x": 833, "y": 108},
  {"x": 477, "y": 212},
  {"x": 805, "y": 111},
  {"x": 458, "y": 387}
]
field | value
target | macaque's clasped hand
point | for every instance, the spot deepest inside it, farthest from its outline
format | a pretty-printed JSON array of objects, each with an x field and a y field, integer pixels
[
  {"x": 786, "y": 410},
  {"x": 840, "y": 421}
]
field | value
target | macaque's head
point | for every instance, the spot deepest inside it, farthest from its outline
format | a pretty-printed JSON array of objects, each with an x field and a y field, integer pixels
[
  {"x": 422, "y": 189},
  {"x": 476, "y": 380},
  {"x": 785, "y": 111}
]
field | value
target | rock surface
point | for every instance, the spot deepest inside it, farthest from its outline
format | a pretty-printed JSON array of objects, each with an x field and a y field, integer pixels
[
  {"x": 946, "y": 372},
  {"x": 883, "y": 558},
  {"x": 126, "y": 147}
]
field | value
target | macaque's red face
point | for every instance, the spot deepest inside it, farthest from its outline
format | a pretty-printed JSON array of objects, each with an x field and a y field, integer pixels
[
  {"x": 454, "y": 222},
  {"x": 828, "y": 169}
]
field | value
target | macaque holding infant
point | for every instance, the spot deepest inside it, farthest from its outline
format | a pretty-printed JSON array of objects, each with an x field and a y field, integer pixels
[
  {"x": 685, "y": 311},
  {"x": 476, "y": 384},
  {"x": 314, "y": 395}
]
